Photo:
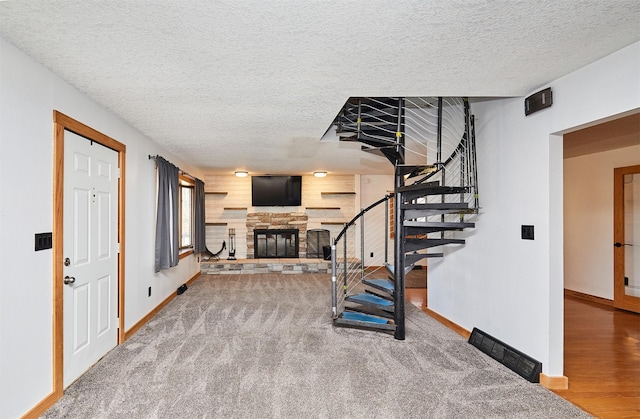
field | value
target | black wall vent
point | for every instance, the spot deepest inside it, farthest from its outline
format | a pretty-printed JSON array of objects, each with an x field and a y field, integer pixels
[
  {"x": 538, "y": 101},
  {"x": 523, "y": 365}
]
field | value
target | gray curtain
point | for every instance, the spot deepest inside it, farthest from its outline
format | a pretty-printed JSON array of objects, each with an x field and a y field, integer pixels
[
  {"x": 199, "y": 227},
  {"x": 167, "y": 216}
]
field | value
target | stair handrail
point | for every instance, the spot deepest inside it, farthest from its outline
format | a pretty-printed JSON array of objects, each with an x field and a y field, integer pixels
[
  {"x": 334, "y": 256},
  {"x": 360, "y": 214}
]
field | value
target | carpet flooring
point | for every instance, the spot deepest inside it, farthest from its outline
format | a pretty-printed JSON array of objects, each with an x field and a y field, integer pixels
[{"x": 263, "y": 346}]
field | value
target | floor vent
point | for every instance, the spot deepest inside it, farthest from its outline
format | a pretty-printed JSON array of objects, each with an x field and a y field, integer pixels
[{"x": 523, "y": 365}]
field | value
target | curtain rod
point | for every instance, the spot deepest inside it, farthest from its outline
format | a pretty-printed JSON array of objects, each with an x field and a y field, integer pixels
[{"x": 179, "y": 169}]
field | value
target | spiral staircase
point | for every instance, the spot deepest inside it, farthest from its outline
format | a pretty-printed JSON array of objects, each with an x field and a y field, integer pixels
[{"x": 431, "y": 144}]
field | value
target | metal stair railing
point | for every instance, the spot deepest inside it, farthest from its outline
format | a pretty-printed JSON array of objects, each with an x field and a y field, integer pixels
[
  {"x": 368, "y": 232},
  {"x": 440, "y": 131}
]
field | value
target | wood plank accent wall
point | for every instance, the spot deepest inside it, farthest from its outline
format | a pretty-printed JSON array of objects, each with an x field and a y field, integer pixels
[{"x": 330, "y": 200}]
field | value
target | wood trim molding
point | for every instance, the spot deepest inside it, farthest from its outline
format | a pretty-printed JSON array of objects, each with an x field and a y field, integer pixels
[
  {"x": 121, "y": 241},
  {"x": 85, "y": 131},
  {"x": 451, "y": 325},
  {"x": 193, "y": 278},
  {"x": 588, "y": 297},
  {"x": 156, "y": 310},
  {"x": 554, "y": 382},
  {"x": 185, "y": 253},
  {"x": 57, "y": 258},
  {"x": 37, "y": 410}
]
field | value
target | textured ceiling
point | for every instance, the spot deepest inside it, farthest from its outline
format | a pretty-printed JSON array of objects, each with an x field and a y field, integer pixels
[{"x": 255, "y": 84}]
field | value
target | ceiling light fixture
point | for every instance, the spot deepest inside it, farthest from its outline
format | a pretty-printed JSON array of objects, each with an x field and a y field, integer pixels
[
  {"x": 319, "y": 174},
  {"x": 242, "y": 173}
]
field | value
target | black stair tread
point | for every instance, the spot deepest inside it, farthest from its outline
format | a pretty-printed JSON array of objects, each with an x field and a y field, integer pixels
[
  {"x": 410, "y": 223},
  {"x": 369, "y": 310},
  {"x": 433, "y": 190},
  {"x": 379, "y": 294},
  {"x": 414, "y": 257},
  {"x": 370, "y": 299},
  {"x": 413, "y": 214},
  {"x": 381, "y": 284},
  {"x": 392, "y": 154},
  {"x": 436, "y": 206},
  {"x": 379, "y": 141},
  {"x": 438, "y": 224},
  {"x": 411, "y": 245},
  {"x": 404, "y": 169},
  {"x": 375, "y": 151},
  {"x": 363, "y": 324},
  {"x": 353, "y": 315},
  {"x": 391, "y": 268},
  {"x": 422, "y": 171}
]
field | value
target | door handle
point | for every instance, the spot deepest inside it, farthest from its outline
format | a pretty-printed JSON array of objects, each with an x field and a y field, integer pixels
[
  {"x": 69, "y": 280},
  {"x": 618, "y": 244}
]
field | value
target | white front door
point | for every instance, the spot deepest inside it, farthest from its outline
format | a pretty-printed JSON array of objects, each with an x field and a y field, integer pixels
[{"x": 91, "y": 254}]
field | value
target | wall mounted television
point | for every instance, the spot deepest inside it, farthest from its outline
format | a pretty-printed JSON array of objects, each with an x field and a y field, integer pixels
[{"x": 276, "y": 191}]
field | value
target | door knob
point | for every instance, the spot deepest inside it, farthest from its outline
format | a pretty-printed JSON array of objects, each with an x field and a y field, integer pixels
[
  {"x": 69, "y": 280},
  {"x": 618, "y": 244}
]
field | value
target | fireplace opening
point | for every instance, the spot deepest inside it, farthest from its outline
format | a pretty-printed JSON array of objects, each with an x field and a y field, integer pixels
[{"x": 276, "y": 243}]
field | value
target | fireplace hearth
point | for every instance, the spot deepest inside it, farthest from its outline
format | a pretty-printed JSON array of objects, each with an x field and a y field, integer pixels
[{"x": 279, "y": 243}]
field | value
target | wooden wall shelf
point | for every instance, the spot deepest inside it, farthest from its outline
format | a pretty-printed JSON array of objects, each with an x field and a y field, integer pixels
[
  {"x": 235, "y": 208},
  {"x": 337, "y": 193},
  {"x": 333, "y": 223},
  {"x": 216, "y": 193},
  {"x": 215, "y": 224},
  {"x": 323, "y": 208}
]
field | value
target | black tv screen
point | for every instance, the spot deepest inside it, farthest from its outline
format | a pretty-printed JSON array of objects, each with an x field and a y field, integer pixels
[{"x": 276, "y": 191}]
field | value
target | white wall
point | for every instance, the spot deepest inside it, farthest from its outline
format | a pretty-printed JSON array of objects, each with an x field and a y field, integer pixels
[
  {"x": 28, "y": 95},
  {"x": 588, "y": 219},
  {"x": 513, "y": 288}
]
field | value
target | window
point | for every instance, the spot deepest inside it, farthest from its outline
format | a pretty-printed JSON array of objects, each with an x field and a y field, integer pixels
[{"x": 186, "y": 212}]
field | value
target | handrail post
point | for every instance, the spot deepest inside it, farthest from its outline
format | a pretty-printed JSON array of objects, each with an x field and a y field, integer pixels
[
  {"x": 386, "y": 231},
  {"x": 344, "y": 274},
  {"x": 362, "y": 247},
  {"x": 475, "y": 163},
  {"x": 334, "y": 281},
  {"x": 439, "y": 156},
  {"x": 398, "y": 257}
]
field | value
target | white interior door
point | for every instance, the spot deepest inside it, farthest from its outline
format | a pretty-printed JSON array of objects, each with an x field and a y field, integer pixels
[{"x": 91, "y": 254}]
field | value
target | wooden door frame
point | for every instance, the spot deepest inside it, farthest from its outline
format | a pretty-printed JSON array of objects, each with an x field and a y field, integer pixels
[
  {"x": 620, "y": 299},
  {"x": 62, "y": 122}
]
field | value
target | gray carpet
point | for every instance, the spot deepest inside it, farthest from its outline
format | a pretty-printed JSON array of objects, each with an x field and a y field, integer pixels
[{"x": 262, "y": 346}]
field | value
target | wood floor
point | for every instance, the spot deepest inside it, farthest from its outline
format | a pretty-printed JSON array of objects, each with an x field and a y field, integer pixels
[{"x": 601, "y": 356}]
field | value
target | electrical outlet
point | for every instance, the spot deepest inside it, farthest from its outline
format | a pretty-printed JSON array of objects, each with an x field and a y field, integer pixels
[{"x": 149, "y": 291}]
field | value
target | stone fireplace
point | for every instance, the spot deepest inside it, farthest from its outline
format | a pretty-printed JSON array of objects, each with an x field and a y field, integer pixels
[{"x": 293, "y": 223}]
